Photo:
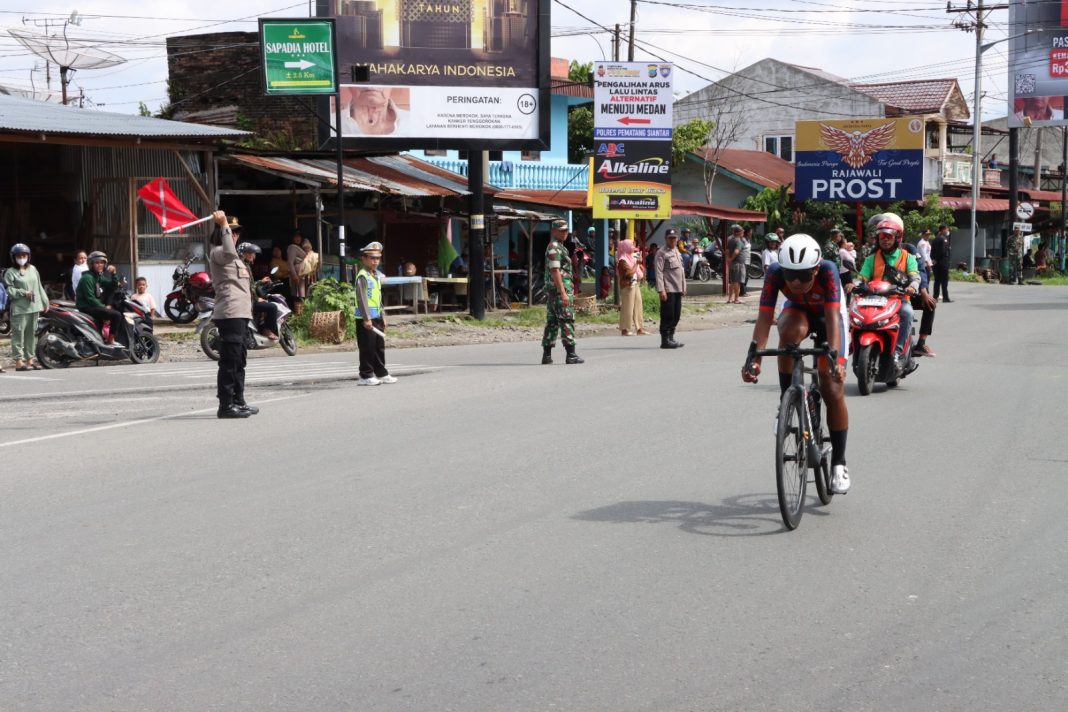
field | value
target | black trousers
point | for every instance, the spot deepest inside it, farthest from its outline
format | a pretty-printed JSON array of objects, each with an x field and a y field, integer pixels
[
  {"x": 941, "y": 281},
  {"x": 103, "y": 314},
  {"x": 372, "y": 349},
  {"x": 232, "y": 356},
  {"x": 266, "y": 315},
  {"x": 670, "y": 313},
  {"x": 926, "y": 318}
]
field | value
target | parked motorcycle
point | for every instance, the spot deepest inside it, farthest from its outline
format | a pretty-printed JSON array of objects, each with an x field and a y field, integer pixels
[
  {"x": 875, "y": 319},
  {"x": 5, "y": 315},
  {"x": 254, "y": 340},
  {"x": 180, "y": 304},
  {"x": 66, "y": 335},
  {"x": 584, "y": 258}
]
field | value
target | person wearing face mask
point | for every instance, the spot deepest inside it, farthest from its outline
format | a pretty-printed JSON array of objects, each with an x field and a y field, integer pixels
[{"x": 27, "y": 300}]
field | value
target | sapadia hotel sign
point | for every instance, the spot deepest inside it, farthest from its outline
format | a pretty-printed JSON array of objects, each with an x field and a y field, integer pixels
[{"x": 859, "y": 160}]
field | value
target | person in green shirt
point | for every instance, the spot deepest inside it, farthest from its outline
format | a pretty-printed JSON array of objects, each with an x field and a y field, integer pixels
[
  {"x": 27, "y": 299},
  {"x": 892, "y": 264},
  {"x": 96, "y": 285}
]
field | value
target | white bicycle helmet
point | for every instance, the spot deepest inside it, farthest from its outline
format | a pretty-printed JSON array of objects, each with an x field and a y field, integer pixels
[{"x": 800, "y": 252}]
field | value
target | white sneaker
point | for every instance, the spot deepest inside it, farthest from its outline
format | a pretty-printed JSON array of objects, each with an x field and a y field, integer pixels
[
  {"x": 388, "y": 379},
  {"x": 840, "y": 479},
  {"x": 372, "y": 381}
]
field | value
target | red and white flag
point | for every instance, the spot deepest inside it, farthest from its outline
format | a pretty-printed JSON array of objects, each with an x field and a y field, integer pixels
[{"x": 164, "y": 204}]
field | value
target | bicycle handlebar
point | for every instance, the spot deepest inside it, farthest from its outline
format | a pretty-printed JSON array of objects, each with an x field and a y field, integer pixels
[{"x": 823, "y": 349}]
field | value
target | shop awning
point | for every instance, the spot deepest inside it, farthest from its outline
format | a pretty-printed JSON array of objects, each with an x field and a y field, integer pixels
[
  {"x": 576, "y": 200},
  {"x": 390, "y": 175},
  {"x": 985, "y": 205}
]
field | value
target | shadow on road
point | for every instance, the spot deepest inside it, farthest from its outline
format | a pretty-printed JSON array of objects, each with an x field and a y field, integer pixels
[{"x": 744, "y": 515}]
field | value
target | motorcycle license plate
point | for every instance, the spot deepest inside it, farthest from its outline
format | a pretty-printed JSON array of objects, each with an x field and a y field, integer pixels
[{"x": 872, "y": 301}]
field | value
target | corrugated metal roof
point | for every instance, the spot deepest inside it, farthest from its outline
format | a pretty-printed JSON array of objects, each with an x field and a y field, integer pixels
[
  {"x": 391, "y": 175},
  {"x": 922, "y": 96},
  {"x": 760, "y": 167},
  {"x": 38, "y": 117},
  {"x": 985, "y": 205}
]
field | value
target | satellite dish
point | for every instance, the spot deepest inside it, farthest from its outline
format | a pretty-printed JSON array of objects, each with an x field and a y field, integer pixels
[{"x": 68, "y": 55}]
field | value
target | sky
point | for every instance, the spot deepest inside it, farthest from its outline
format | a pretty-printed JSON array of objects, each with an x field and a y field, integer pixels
[{"x": 861, "y": 40}]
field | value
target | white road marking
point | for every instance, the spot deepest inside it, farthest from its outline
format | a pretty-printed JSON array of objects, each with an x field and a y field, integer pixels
[
  {"x": 29, "y": 378},
  {"x": 130, "y": 423}
]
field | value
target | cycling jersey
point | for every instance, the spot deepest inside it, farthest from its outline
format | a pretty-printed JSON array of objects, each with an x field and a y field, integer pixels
[{"x": 825, "y": 292}]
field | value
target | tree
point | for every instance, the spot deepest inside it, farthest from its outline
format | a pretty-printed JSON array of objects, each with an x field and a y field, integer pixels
[
  {"x": 688, "y": 138},
  {"x": 142, "y": 109},
  {"x": 579, "y": 73},
  {"x": 579, "y": 133}
]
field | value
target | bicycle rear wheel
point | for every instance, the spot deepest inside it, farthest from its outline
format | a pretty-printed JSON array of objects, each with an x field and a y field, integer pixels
[{"x": 791, "y": 464}]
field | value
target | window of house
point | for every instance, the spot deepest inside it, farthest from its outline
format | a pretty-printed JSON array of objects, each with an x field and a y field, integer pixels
[
  {"x": 530, "y": 156},
  {"x": 436, "y": 152},
  {"x": 781, "y": 146}
]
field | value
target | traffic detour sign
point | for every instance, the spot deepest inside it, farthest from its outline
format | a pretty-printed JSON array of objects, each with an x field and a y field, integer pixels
[{"x": 298, "y": 56}]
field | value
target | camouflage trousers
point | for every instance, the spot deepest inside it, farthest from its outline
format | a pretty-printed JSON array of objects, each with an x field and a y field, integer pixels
[{"x": 559, "y": 318}]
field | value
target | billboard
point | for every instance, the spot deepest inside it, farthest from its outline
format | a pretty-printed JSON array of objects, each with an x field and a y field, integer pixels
[
  {"x": 1038, "y": 62},
  {"x": 443, "y": 74},
  {"x": 859, "y": 160},
  {"x": 297, "y": 56},
  {"x": 632, "y": 131}
]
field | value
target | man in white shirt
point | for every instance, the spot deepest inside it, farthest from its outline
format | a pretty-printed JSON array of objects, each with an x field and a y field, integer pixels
[
  {"x": 923, "y": 249},
  {"x": 76, "y": 272}
]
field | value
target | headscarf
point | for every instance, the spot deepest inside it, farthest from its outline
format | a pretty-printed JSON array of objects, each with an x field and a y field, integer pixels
[{"x": 625, "y": 253}]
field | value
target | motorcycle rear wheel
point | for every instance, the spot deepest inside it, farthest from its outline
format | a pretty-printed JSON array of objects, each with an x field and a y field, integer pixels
[
  {"x": 867, "y": 368},
  {"x": 145, "y": 348},
  {"x": 209, "y": 342},
  {"x": 5, "y": 324},
  {"x": 287, "y": 341},
  {"x": 704, "y": 272},
  {"x": 45, "y": 357},
  {"x": 179, "y": 310}
]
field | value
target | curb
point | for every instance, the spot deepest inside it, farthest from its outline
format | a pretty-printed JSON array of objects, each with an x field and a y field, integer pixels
[{"x": 209, "y": 385}]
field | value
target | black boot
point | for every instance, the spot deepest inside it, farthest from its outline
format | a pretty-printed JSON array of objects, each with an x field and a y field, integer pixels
[
  {"x": 229, "y": 410},
  {"x": 672, "y": 337},
  {"x": 572, "y": 357},
  {"x": 666, "y": 342},
  {"x": 546, "y": 355},
  {"x": 240, "y": 404}
]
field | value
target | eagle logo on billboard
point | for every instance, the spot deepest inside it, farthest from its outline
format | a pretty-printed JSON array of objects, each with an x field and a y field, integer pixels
[{"x": 857, "y": 148}]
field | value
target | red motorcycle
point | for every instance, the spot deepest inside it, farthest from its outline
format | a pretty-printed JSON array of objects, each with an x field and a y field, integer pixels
[
  {"x": 875, "y": 320},
  {"x": 181, "y": 304}
]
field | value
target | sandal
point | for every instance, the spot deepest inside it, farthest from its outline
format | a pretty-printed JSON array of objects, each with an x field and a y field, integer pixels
[
  {"x": 22, "y": 368},
  {"x": 35, "y": 366}
]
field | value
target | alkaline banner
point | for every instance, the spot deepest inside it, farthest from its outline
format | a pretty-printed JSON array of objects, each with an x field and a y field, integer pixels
[
  {"x": 632, "y": 180},
  {"x": 856, "y": 160}
]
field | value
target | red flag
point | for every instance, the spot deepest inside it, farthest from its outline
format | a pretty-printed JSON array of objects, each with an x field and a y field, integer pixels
[{"x": 164, "y": 204}]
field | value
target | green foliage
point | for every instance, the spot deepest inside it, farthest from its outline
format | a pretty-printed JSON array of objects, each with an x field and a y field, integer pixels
[
  {"x": 579, "y": 72},
  {"x": 689, "y": 137},
  {"x": 930, "y": 217},
  {"x": 327, "y": 295},
  {"x": 774, "y": 203},
  {"x": 143, "y": 110},
  {"x": 650, "y": 301},
  {"x": 579, "y": 133},
  {"x": 959, "y": 275}
]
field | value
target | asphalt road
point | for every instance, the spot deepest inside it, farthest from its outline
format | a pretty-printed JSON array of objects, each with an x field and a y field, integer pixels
[{"x": 492, "y": 534}]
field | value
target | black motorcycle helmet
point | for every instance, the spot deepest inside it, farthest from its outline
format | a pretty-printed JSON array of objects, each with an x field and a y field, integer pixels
[{"x": 249, "y": 248}]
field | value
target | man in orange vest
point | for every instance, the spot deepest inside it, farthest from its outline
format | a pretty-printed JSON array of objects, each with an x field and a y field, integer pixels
[{"x": 892, "y": 264}]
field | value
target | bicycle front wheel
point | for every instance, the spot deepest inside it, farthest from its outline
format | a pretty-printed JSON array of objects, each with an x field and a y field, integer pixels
[{"x": 791, "y": 463}]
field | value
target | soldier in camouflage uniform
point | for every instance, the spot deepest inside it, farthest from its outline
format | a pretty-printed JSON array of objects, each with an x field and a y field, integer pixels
[
  {"x": 1016, "y": 257},
  {"x": 560, "y": 309}
]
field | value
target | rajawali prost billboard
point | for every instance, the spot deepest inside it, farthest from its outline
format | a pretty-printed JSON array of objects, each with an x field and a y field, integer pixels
[
  {"x": 857, "y": 160},
  {"x": 632, "y": 131},
  {"x": 448, "y": 73},
  {"x": 1038, "y": 62}
]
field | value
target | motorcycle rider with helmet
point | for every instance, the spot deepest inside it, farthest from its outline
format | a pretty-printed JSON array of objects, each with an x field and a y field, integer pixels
[
  {"x": 890, "y": 263},
  {"x": 261, "y": 308},
  {"x": 94, "y": 289},
  {"x": 813, "y": 304}
]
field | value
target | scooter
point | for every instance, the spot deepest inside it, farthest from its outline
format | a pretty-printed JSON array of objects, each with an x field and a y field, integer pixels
[
  {"x": 875, "y": 319},
  {"x": 180, "y": 304},
  {"x": 66, "y": 335},
  {"x": 254, "y": 340}
]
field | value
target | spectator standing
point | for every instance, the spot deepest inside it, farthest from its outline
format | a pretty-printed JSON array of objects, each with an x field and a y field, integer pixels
[
  {"x": 26, "y": 300},
  {"x": 847, "y": 267},
  {"x": 233, "y": 310},
  {"x": 940, "y": 256},
  {"x": 770, "y": 255},
  {"x": 559, "y": 309},
  {"x": 1016, "y": 255},
  {"x": 1042, "y": 258},
  {"x": 747, "y": 256},
  {"x": 630, "y": 272},
  {"x": 923, "y": 252},
  {"x": 298, "y": 286},
  {"x": 650, "y": 264},
  {"x": 736, "y": 268},
  {"x": 76, "y": 272},
  {"x": 671, "y": 286},
  {"x": 926, "y": 304}
]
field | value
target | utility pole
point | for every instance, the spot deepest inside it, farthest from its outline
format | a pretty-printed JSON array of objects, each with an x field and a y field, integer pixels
[
  {"x": 616, "y": 36},
  {"x": 1064, "y": 191},
  {"x": 633, "y": 20},
  {"x": 1038, "y": 158}
]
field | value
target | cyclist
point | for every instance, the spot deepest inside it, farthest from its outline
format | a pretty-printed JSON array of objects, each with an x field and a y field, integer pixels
[
  {"x": 812, "y": 304},
  {"x": 890, "y": 263}
]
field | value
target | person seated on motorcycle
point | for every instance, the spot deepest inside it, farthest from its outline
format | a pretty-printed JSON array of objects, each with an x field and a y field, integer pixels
[
  {"x": 94, "y": 291},
  {"x": 264, "y": 312},
  {"x": 926, "y": 304},
  {"x": 890, "y": 263},
  {"x": 812, "y": 304}
]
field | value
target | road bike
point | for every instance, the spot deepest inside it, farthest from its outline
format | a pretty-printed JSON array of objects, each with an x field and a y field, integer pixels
[{"x": 800, "y": 442}]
